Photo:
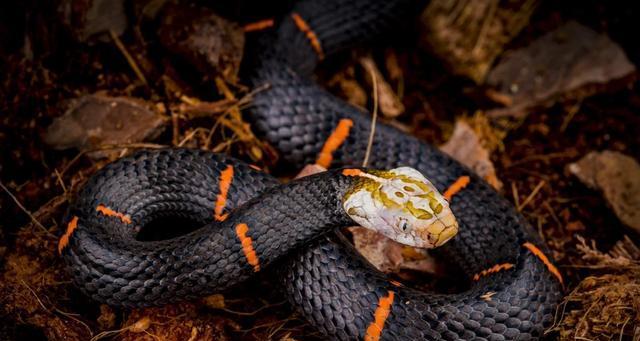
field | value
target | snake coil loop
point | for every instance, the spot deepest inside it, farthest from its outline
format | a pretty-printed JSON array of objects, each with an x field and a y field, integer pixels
[{"x": 250, "y": 221}]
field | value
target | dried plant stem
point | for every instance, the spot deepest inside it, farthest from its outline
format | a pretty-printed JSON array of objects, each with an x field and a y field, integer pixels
[{"x": 365, "y": 162}]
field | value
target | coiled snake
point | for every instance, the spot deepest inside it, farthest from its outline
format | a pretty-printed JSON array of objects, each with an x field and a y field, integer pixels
[{"x": 251, "y": 221}]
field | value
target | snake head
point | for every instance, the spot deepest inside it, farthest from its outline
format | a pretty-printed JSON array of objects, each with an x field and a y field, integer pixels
[{"x": 403, "y": 205}]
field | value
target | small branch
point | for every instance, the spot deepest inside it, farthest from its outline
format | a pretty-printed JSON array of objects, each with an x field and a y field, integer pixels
[
  {"x": 530, "y": 197},
  {"x": 127, "y": 55},
  {"x": 24, "y": 209},
  {"x": 516, "y": 196},
  {"x": 365, "y": 162},
  {"x": 175, "y": 131}
]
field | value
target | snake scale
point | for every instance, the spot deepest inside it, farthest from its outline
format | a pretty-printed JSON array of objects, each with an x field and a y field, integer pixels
[{"x": 251, "y": 221}]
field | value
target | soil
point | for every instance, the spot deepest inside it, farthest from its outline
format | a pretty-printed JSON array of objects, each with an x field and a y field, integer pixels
[{"x": 43, "y": 67}]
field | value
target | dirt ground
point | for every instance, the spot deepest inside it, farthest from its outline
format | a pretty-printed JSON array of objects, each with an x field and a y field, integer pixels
[{"x": 46, "y": 63}]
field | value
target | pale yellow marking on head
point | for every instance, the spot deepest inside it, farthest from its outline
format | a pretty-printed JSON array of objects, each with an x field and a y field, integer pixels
[{"x": 403, "y": 205}]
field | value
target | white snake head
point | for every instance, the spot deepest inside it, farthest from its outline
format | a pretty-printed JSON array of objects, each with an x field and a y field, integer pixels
[{"x": 403, "y": 205}]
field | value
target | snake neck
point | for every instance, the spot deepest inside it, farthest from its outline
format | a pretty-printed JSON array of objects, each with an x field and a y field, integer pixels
[
  {"x": 300, "y": 210},
  {"x": 110, "y": 264}
]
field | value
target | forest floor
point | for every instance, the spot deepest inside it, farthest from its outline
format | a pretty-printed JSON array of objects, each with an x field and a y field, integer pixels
[{"x": 48, "y": 65}]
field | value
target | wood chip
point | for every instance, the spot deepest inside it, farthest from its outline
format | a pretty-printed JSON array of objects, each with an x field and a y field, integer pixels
[
  {"x": 618, "y": 177},
  {"x": 87, "y": 19},
  {"x": 97, "y": 120},
  {"x": 211, "y": 43},
  {"x": 464, "y": 146},
  {"x": 572, "y": 61},
  {"x": 468, "y": 35}
]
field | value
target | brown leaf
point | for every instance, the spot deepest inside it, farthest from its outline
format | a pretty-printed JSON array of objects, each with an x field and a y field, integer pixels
[
  {"x": 390, "y": 104},
  {"x": 618, "y": 177},
  {"x": 96, "y": 120},
  {"x": 572, "y": 61},
  {"x": 464, "y": 146}
]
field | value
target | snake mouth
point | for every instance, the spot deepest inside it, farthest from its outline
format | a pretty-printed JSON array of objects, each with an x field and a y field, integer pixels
[
  {"x": 440, "y": 231},
  {"x": 446, "y": 235}
]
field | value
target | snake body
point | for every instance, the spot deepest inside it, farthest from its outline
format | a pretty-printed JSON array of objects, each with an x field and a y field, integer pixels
[{"x": 514, "y": 287}]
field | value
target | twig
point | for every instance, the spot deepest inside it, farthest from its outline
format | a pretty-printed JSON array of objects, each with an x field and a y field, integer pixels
[
  {"x": 572, "y": 112},
  {"x": 485, "y": 26},
  {"x": 175, "y": 131},
  {"x": 583, "y": 321},
  {"x": 251, "y": 313},
  {"x": 60, "y": 181},
  {"x": 63, "y": 313},
  {"x": 530, "y": 197},
  {"x": 190, "y": 136},
  {"x": 543, "y": 157},
  {"x": 24, "y": 209},
  {"x": 365, "y": 162},
  {"x": 71, "y": 316},
  {"x": 552, "y": 212},
  {"x": 516, "y": 196},
  {"x": 198, "y": 109},
  {"x": 622, "y": 329},
  {"x": 225, "y": 145},
  {"x": 268, "y": 324},
  {"x": 36, "y": 296},
  {"x": 127, "y": 55}
]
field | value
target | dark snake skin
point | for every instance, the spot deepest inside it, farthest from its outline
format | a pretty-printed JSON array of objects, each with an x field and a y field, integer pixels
[{"x": 324, "y": 277}]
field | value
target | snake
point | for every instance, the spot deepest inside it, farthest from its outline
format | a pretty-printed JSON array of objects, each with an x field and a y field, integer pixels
[{"x": 250, "y": 222}]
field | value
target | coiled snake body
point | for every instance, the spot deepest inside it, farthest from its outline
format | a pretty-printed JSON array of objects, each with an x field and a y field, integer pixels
[{"x": 252, "y": 221}]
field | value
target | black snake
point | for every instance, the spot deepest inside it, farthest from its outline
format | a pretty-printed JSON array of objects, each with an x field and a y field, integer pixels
[{"x": 514, "y": 287}]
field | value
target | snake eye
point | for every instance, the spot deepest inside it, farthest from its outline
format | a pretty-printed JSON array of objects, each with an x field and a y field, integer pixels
[{"x": 403, "y": 225}]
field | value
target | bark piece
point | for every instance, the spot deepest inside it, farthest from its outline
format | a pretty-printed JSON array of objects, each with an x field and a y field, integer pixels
[
  {"x": 93, "y": 18},
  {"x": 572, "y": 61},
  {"x": 96, "y": 120},
  {"x": 211, "y": 43},
  {"x": 617, "y": 176},
  {"x": 467, "y": 35}
]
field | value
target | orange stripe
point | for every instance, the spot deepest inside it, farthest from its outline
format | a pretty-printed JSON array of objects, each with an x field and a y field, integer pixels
[
  {"x": 494, "y": 269},
  {"x": 247, "y": 246},
  {"x": 111, "y": 213},
  {"x": 351, "y": 172},
  {"x": 334, "y": 142},
  {"x": 258, "y": 25},
  {"x": 313, "y": 38},
  {"x": 458, "y": 185},
  {"x": 226, "y": 176},
  {"x": 255, "y": 167},
  {"x": 538, "y": 253},
  {"x": 380, "y": 316},
  {"x": 64, "y": 240}
]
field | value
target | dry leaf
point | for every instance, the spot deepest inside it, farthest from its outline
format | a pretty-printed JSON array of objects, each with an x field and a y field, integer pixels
[{"x": 618, "y": 177}]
